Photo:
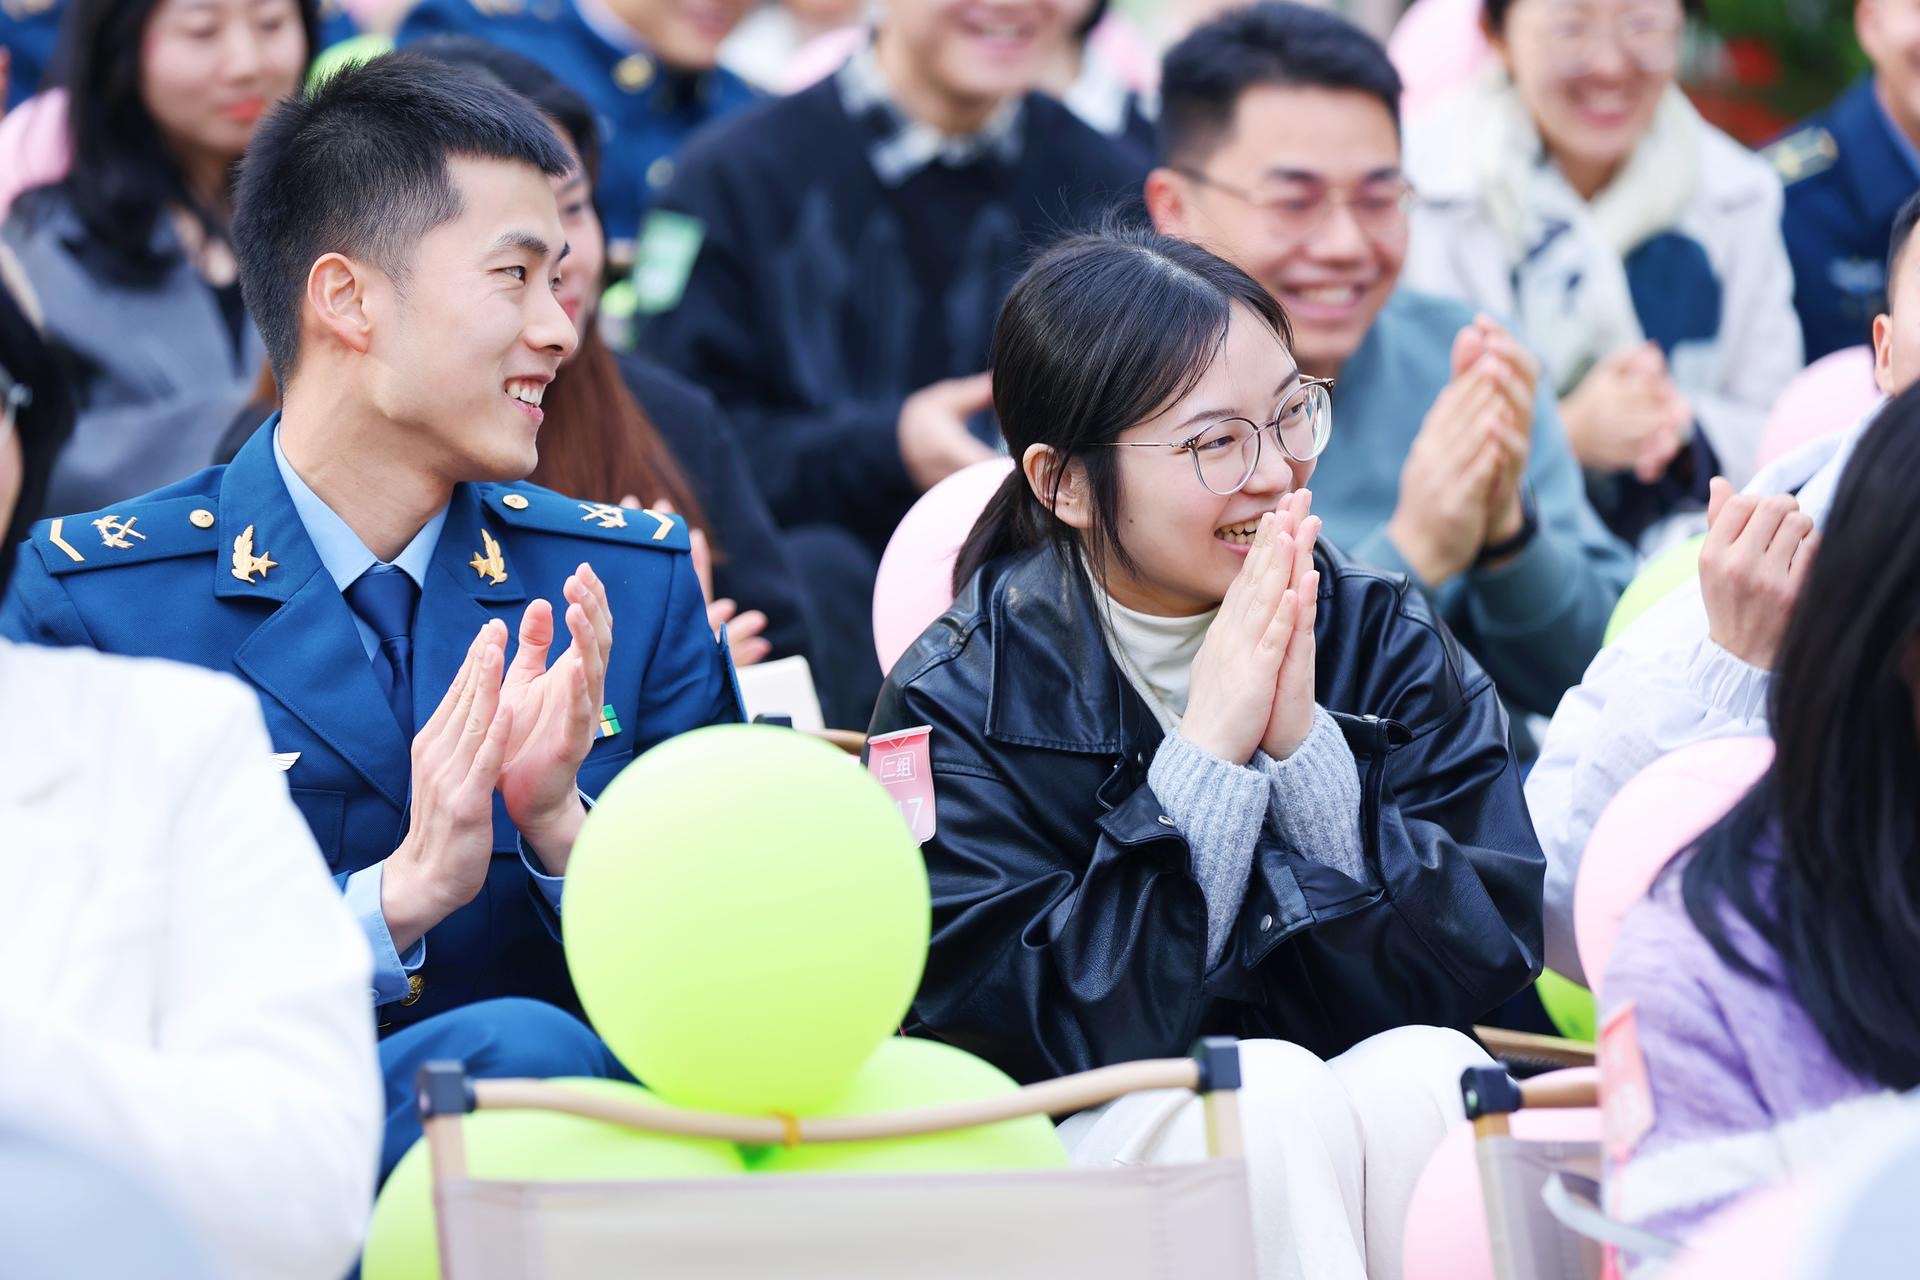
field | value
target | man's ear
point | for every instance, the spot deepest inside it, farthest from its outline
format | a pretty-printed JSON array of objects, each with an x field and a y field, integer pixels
[
  {"x": 337, "y": 289},
  {"x": 1883, "y": 353},
  {"x": 1070, "y": 502},
  {"x": 1169, "y": 203}
]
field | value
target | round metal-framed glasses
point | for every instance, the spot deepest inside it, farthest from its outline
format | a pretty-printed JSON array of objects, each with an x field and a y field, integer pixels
[{"x": 1227, "y": 453}]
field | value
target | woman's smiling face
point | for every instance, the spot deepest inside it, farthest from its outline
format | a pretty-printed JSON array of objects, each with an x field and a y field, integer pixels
[{"x": 1187, "y": 543}]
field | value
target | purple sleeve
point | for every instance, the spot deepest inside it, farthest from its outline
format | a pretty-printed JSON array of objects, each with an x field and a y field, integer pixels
[{"x": 1710, "y": 1139}]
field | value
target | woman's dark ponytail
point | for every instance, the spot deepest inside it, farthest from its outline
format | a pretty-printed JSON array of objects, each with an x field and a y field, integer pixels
[{"x": 1010, "y": 522}]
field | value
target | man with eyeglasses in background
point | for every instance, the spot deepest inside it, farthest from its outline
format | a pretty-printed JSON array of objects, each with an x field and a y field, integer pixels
[{"x": 1280, "y": 149}]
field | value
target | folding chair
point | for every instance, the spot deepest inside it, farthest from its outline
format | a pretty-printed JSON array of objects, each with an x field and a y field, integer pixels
[
  {"x": 1544, "y": 1215},
  {"x": 1153, "y": 1222}
]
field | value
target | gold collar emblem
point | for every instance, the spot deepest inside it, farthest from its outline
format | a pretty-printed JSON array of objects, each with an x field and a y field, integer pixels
[
  {"x": 487, "y": 562},
  {"x": 245, "y": 563}
]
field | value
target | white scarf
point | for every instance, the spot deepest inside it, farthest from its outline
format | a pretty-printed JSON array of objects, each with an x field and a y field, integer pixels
[{"x": 1570, "y": 281}]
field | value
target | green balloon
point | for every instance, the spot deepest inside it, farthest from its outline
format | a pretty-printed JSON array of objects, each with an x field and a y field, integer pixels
[
  {"x": 362, "y": 48},
  {"x": 903, "y": 1074},
  {"x": 1569, "y": 1005},
  {"x": 540, "y": 1146},
  {"x": 1663, "y": 574},
  {"x": 746, "y": 918}
]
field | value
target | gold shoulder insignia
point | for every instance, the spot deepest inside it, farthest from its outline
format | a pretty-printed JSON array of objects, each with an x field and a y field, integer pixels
[{"x": 1802, "y": 154}]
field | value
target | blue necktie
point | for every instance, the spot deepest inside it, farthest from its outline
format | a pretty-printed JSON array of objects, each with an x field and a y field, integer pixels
[{"x": 385, "y": 597}]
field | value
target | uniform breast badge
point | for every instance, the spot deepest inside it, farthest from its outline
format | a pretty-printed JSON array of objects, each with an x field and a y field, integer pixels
[
  {"x": 487, "y": 561},
  {"x": 245, "y": 563},
  {"x": 114, "y": 531}
]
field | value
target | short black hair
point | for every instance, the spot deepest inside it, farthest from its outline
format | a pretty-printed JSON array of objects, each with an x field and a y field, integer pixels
[
  {"x": 358, "y": 166},
  {"x": 1903, "y": 223},
  {"x": 1271, "y": 43},
  {"x": 528, "y": 79}
]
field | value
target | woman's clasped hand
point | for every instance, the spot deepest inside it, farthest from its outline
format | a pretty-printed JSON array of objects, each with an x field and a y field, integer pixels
[{"x": 1253, "y": 677}]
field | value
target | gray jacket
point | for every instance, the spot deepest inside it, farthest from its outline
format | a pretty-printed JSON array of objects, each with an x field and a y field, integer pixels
[{"x": 156, "y": 378}]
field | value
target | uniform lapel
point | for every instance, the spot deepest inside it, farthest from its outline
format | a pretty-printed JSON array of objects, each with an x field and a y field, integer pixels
[
  {"x": 306, "y": 654},
  {"x": 458, "y": 599}
]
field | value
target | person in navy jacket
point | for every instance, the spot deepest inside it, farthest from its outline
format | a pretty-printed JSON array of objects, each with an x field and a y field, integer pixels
[{"x": 369, "y": 555}]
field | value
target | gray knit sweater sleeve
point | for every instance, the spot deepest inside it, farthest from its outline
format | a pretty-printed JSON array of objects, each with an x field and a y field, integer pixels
[
  {"x": 1219, "y": 808},
  {"x": 1315, "y": 799}
]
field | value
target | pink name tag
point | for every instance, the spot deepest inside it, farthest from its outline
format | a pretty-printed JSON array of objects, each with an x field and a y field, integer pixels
[
  {"x": 899, "y": 762},
  {"x": 1626, "y": 1096}
]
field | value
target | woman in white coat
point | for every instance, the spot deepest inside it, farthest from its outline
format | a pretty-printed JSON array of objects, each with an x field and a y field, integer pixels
[
  {"x": 1637, "y": 248},
  {"x": 182, "y": 992}
]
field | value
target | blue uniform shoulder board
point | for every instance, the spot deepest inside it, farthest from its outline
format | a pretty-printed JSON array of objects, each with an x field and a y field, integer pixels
[
  {"x": 528, "y": 507},
  {"x": 1802, "y": 154},
  {"x": 128, "y": 534}
]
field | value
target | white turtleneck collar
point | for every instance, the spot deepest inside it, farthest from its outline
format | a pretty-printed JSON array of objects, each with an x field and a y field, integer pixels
[{"x": 1154, "y": 653}]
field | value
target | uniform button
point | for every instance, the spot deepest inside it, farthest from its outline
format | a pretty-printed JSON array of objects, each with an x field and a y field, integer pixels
[
  {"x": 201, "y": 518},
  {"x": 1266, "y": 923},
  {"x": 633, "y": 72},
  {"x": 416, "y": 984},
  {"x": 517, "y": 501},
  {"x": 1164, "y": 820},
  {"x": 660, "y": 173}
]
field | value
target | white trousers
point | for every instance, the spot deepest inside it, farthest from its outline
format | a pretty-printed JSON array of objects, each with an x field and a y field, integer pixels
[{"x": 1333, "y": 1148}]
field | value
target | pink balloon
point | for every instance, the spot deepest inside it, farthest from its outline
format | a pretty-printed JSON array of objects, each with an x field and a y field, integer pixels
[
  {"x": 1660, "y": 811},
  {"x": 1829, "y": 395},
  {"x": 1446, "y": 1230},
  {"x": 1438, "y": 49},
  {"x": 915, "y": 583}
]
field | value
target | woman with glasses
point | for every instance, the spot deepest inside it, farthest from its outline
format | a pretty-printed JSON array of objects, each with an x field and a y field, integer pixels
[
  {"x": 1637, "y": 247},
  {"x": 1193, "y": 772}
]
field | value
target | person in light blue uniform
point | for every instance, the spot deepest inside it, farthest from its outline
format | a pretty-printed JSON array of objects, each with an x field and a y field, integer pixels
[
  {"x": 649, "y": 72},
  {"x": 1846, "y": 170},
  {"x": 366, "y": 556}
]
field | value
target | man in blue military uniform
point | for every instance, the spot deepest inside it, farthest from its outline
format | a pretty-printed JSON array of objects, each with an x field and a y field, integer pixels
[
  {"x": 1847, "y": 170},
  {"x": 364, "y": 558},
  {"x": 647, "y": 66}
]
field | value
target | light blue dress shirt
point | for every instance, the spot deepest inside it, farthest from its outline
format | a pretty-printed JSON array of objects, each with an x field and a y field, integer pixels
[{"x": 345, "y": 557}]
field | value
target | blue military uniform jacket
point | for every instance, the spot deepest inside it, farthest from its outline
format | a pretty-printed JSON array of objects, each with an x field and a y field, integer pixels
[
  {"x": 646, "y": 109},
  {"x": 1846, "y": 175},
  {"x": 218, "y": 570}
]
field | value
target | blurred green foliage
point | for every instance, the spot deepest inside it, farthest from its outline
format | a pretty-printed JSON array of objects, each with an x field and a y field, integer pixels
[{"x": 1798, "y": 54}]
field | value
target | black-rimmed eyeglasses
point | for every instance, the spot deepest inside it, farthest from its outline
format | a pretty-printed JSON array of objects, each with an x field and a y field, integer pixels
[{"x": 1227, "y": 453}]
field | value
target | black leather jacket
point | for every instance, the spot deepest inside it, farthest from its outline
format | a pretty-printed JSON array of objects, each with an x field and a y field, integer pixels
[{"x": 1068, "y": 930}]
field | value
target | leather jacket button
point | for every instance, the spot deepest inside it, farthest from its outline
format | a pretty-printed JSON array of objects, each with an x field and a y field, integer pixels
[
  {"x": 1266, "y": 923},
  {"x": 1164, "y": 820}
]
